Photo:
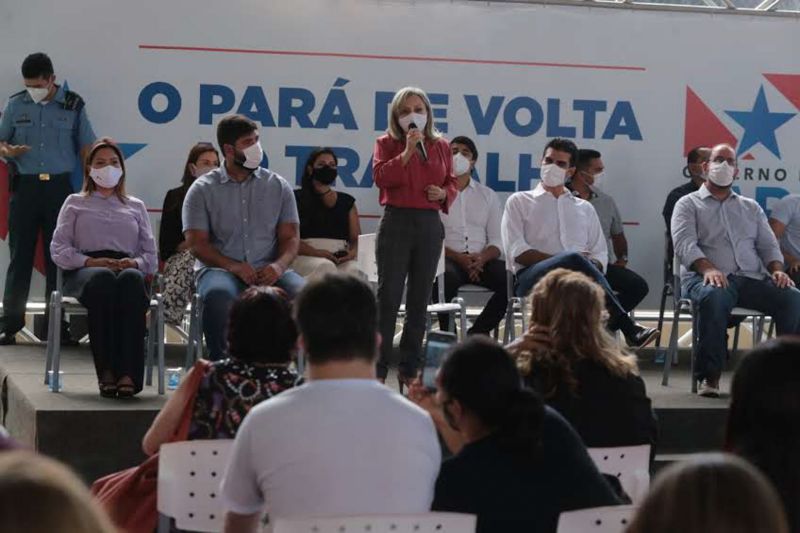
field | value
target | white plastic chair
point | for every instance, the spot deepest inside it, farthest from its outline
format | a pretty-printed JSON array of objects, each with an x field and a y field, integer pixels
[
  {"x": 613, "y": 519},
  {"x": 421, "y": 523},
  {"x": 60, "y": 304},
  {"x": 515, "y": 304},
  {"x": 189, "y": 477},
  {"x": 368, "y": 264},
  {"x": 629, "y": 464}
]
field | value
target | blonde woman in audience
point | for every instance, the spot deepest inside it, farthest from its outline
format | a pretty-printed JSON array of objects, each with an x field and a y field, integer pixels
[
  {"x": 40, "y": 495},
  {"x": 568, "y": 356},
  {"x": 710, "y": 493}
]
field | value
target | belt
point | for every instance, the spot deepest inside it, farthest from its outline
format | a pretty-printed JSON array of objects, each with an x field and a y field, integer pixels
[{"x": 44, "y": 176}]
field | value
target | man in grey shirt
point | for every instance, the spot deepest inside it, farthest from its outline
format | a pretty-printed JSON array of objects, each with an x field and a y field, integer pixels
[
  {"x": 785, "y": 223},
  {"x": 631, "y": 288},
  {"x": 729, "y": 257},
  {"x": 241, "y": 224}
]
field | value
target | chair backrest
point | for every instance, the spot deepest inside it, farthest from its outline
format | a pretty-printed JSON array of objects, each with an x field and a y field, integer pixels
[
  {"x": 367, "y": 263},
  {"x": 596, "y": 520},
  {"x": 189, "y": 476},
  {"x": 629, "y": 464},
  {"x": 421, "y": 523}
]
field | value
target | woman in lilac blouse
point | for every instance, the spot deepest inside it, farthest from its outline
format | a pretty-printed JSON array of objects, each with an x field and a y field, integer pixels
[{"x": 104, "y": 242}]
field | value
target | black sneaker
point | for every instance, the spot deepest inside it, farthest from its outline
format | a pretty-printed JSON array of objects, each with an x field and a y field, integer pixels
[
  {"x": 7, "y": 339},
  {"x": 641, "y": 336}
]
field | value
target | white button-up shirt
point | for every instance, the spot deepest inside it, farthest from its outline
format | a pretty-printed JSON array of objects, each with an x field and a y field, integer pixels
[
  {"x": 537, "y": 220},
  {"x": 473, "y": 222}
]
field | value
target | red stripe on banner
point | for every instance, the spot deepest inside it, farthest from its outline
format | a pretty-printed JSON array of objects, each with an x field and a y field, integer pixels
[{"x": 432, "y": 59}]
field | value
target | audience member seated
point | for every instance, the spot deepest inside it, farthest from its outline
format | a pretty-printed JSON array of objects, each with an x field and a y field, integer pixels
[
  {"x": 104, "y": 243},
  {"x": 241, "y": 224},
  {"x": 695, "y": 172},
  {"x": 342, "y": 443},
  {"x": 329, "y": 225},
  {"x": 568, "y": 357},
  {"x": 261, "y": 341},
  {"x": 764, "y": 419},
  {"x": 630, "y": 287},
  {"x": 472, "y": 242},
  {"x": 40, "y": 495},
  {"x": 710, "y": 493},
  {"x": 785, "y": 223},
  {"x": 173, "y": 248},
  {"x": 518, "y": 463},
  {"x": 549, "y": 228},
  {"x": 729, "y": 258}
]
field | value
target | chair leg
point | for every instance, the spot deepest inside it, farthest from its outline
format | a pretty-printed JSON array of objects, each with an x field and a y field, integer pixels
[
  {"x": 771, "y": 330},
  {"x": 462, "y": 318},
  {"x": 55, "y": 316},
  {"x": 735, "y": 340},
  {"x": 194, "y": 332},
  {"x": 51, "y": 336},
  {"x": 661, "y": 310},
  {"x": 509, "y": 322},
  {"x": 159, "y": 340},
  {"x": 672, "y": 350},
  {"x": 148, "y": 360},
  {"x": 695, "y": 342}
]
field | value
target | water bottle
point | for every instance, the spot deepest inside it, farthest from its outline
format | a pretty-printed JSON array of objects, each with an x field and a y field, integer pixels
[{"x": 174, "y": 377}]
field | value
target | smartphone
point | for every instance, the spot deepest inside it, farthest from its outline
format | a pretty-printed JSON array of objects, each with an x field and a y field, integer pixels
[{"x": 435, "y": 347}]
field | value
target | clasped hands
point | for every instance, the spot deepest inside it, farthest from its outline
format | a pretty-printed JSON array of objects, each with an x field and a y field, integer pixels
[
  {"x": 116, "y": 265},
  {"x": 266, "y": 275},
  {"x": 472, "y": 264}
]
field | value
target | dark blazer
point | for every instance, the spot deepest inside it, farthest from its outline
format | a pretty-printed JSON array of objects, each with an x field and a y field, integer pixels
[{"x": 170, "y": 236}]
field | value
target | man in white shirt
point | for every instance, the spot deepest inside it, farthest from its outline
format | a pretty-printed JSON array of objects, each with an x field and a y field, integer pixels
[
  {"x": 549, "y": 228},
  {"x": 472, "y": 241},
  {"x": 342, "y": 443}
]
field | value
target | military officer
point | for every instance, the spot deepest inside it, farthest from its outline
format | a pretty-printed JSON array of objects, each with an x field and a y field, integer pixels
[{"x": 42, "y": 132}]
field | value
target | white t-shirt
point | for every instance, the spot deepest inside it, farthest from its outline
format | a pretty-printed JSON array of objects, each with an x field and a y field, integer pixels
[{"x": 333, "y": 447}]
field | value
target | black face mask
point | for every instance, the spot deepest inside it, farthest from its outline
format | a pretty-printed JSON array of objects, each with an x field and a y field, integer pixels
[{"x": 324, "y": 175}]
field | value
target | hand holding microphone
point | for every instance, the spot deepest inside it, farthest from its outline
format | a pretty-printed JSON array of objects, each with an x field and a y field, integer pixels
[{"x": 415, "y": 139}]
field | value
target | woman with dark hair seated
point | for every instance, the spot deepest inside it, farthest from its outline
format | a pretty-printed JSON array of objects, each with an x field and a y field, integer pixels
[
  {"x": 568, "y": 356},
  {"x": 261, "y": 341},
  {"x": 172, "y": 247},
  {"x": 764, "y": 417},
  {"x": 521, "y": 464},
  {"x": 329, "y": 225},
  {"x": 104, "y": 243}
]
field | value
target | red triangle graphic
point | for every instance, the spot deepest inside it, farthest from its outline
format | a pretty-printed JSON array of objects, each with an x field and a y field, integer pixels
[
  {"x": 702, "y": 127},
  {"x": 788, "y": 85},
  {"x": 748, "y": 157}
]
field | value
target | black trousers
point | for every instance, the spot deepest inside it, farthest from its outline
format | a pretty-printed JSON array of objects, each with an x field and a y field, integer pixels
[
  {"x": 117, "y": 303},
  {"x": 408, "y": 245},
  {"x": 631, "y": 288},
  {"x": 33, "y": 207},
  {"x": 493, "y": 278}
]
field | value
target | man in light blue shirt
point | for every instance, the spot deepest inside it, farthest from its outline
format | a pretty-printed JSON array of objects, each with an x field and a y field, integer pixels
[
  {"x": 729, "y": 258},
  {"x": 785, "y": 223},
  {"x": 241, "y": 224},
  {"x": 42, "y": 132}
]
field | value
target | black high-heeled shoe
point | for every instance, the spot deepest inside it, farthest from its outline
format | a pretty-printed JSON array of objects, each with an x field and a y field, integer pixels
[{"x": 108, "y": 390}]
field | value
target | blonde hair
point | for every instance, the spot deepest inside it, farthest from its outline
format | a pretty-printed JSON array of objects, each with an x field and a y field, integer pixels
[
  {"x": 395, "y": 131},
  {"x": 88, "y": 183},
  {"x": 572, "y": 307},
  {"x": 710, "y": 493},
  {"x": 40, "y": 495}
]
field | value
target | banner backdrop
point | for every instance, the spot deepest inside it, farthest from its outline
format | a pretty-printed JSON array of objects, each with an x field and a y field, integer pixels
[{"x": 642, "y": 87}]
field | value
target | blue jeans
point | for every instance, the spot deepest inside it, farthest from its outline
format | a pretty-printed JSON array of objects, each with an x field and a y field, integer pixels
[
  {"x": 218, "y": 289},
  {"x": 529, "y": 276},
  {"x": 714, "y": 304}
]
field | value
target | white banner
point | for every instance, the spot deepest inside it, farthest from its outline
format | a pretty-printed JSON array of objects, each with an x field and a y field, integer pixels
[{"x": 158, "y": 76}]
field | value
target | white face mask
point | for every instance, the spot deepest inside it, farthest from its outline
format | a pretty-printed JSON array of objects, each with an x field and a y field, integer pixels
[
  {"x": 38, "y": 93},
  {"x": 418, "y": 119},
  {"x": 107, "y": 177},
  {"x": 721, "y": 174},
  {"x": 552, "y": 175},
  {"x": 253, "y": 155},
  {"x": 460, "y": 164}
]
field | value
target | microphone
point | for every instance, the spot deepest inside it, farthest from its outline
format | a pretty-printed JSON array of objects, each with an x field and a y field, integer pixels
[{"x": 423, "y": 153}]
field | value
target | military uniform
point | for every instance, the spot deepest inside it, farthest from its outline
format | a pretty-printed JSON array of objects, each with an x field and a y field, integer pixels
[{"x": 40, "y": 182}]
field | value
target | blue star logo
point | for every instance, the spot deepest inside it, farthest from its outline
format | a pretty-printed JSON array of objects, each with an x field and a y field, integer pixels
[{"x": 760, "y": 125}]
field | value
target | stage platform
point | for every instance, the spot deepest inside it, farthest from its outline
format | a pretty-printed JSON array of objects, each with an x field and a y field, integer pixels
[{"x": 97, "y": 436}]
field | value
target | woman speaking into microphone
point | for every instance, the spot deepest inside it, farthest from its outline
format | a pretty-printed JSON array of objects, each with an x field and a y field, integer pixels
[{"x": 412, "y": 167}]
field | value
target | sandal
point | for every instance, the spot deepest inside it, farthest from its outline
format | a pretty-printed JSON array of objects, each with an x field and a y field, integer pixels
[
  {"x": 125, "y": 390},
  {"x": 108, "y": 390}
]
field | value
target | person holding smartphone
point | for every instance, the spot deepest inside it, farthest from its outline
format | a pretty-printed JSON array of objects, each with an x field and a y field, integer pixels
[
  {"x": 413, "y": 169},
  {"x": 329, "y": 225}
]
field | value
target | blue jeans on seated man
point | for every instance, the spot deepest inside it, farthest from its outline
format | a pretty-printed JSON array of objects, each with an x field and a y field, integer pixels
[
  {"x": 218, "y": 289},
  {"x": 529, "y": 276},
  {"x": 714, "y": 306}
]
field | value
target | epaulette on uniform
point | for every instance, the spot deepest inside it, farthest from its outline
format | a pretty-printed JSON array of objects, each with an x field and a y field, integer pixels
[
  {"x": 73, "y": 101},
  {"x": 21, "y": 93}
]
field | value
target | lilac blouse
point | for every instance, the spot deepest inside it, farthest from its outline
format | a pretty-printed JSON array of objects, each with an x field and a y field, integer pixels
[{"x": 93, "y": 223}]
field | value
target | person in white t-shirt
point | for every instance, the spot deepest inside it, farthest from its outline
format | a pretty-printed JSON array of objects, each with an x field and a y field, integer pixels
[{"x": 342, "y": 443}]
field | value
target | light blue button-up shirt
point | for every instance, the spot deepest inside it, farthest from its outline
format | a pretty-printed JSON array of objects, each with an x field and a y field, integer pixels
[
  {"x": 733, "y": 234},
  {"x": 787, "y": 212},
  {"x": 54, "y": 133},
  {"x": 241, "y": 217}
]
